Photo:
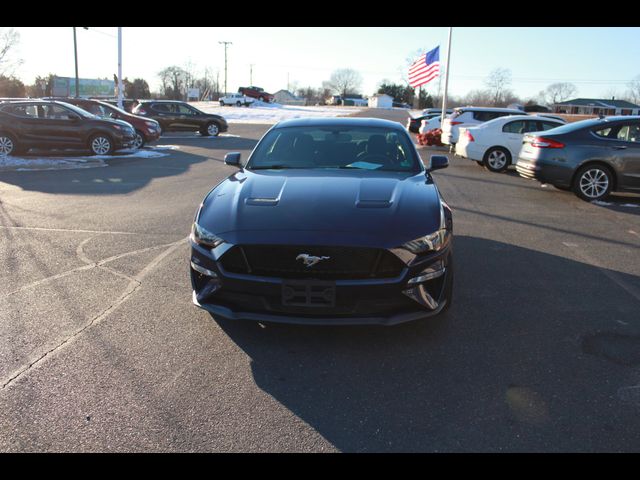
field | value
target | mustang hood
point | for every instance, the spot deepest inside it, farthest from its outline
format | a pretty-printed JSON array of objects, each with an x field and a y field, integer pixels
[{"x": 365, "y": 208}]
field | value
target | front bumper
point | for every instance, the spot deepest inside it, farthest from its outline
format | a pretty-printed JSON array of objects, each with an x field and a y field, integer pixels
[{"x": 386, "y": 301}]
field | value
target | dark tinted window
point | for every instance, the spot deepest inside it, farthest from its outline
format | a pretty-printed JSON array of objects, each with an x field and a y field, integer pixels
[
  {"x": 608, "y": 132},
  {"x": 515, "y": 127},
  {"x": 368, "y": 148},
  {"x": 549, "y": 125},
  {"x": 161, "y": 107}
]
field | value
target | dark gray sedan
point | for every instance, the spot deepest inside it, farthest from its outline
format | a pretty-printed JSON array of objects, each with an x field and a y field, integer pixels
[{"x": 591, "y": 157}]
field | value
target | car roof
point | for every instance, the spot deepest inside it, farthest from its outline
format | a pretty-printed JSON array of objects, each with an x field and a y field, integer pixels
[
  {"x": 487, "y": 109},
  {"x": 339, "y": 122}
]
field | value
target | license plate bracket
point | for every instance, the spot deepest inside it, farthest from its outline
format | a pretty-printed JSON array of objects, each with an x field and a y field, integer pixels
[{"x": 308, "y": 293}]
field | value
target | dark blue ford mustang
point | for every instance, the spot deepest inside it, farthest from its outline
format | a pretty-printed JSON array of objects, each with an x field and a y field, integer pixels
[{"x": 330, "y": 221}]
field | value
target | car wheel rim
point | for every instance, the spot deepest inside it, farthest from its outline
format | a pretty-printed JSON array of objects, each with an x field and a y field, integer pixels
[
  {"x": 594, "y": 183},
  {"x": 6, "y": 145},
  {"x": 212, "y": 129},
  {"x": 100, "y": 145},
  {"x": 137, "y": 143},
  {"x": 497, "y": 159}
]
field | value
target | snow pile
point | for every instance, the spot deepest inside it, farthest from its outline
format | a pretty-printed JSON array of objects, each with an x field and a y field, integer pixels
[{"x": 271, "y": 113}]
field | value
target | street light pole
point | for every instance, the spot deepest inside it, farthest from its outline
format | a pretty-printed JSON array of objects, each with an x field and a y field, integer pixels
[
  {"x": 75, "y": 55},
  {"x": 120, "y": 92},
  {"x": 225, "y": 64}
]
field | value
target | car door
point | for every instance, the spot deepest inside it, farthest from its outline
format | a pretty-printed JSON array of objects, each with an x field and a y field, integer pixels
[
  {"x": 512, "y": 133},
  {"x": 626, "y": 150},
  {"x": 187, "y": 118},
  {"x": 163, "y": 114},
  {"x": 59, "y": 127},
  {"x": 24, "y": 122}
]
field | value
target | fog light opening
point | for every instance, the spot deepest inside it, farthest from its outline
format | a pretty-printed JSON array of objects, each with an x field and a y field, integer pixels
[
  {"x": 204, "y": 271},
  {"x": 420, "y": 294},
  {"x": 433, "y": 271}
]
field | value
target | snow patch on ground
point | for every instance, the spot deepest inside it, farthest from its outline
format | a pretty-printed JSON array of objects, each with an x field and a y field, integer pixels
[
  {"x": 611, "y": 204},
  {"x": 64, "y": 163},
  {"x": 271, "y": 113}
]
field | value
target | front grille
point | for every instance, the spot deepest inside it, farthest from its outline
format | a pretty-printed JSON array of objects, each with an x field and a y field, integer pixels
[{"x": 344, "y": 263}]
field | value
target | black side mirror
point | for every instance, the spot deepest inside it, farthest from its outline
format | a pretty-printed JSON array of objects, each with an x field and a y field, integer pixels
[
  {"x": 232, "y": 158},
  {"x": 437, "y": 162}
]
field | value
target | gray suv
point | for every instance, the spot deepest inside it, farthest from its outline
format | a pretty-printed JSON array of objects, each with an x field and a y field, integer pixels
[{"x": 591, "y": 157}]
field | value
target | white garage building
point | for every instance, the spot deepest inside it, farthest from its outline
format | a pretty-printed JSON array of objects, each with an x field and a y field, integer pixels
[{"x": 381, "y": 100}]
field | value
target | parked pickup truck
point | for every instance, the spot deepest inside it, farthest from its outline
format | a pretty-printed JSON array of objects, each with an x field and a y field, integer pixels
[
  {"x": 256, "y": 92},
  {"x": 236, "y": 99}
]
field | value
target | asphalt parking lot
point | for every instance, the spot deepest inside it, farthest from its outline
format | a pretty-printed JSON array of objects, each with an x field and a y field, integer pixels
[{"x": 102, "y": 350}]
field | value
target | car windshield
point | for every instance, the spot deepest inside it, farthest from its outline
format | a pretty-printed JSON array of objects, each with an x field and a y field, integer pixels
[
  {"x": 572, "y": 127},
  {"x": 113, "y": 108},
  {"x": 330, "y": 147}
]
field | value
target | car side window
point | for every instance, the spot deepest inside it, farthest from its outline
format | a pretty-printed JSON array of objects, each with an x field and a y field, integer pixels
[
  {"x": 548, "y": 125},
  {"x": 160, "y": 107},
  {"x": 184, "y": 110},
  {"x": 514, "y": 127},
  {"x": 27, "y": 111},
  {"x": 56, "y": 112},
  {"x": 605, "y": 132},
  {"x": 530, "y": 126},
  {"x": 629, "y": 133}
]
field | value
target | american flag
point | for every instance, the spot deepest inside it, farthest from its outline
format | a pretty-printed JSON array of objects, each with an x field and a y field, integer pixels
[{"x": 425, "y": 68}]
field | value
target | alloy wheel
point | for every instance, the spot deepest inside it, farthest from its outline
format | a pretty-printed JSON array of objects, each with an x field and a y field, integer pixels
[
  {"x": 594, "y": 183},
  {"x": 497, "y": 160},
  {"x": 138, "y": 141},
  {"x": 6, "y": 145},
  {"x": 100, "y": 145},
  {"x": 212, "y": 129}
]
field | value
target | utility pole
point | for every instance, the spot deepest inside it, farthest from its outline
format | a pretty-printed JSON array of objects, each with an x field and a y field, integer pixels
[{"x": 225, "y": 64}]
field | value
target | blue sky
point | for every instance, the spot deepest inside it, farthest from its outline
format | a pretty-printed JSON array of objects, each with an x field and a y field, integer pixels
[{"x": 598, "y": 60}]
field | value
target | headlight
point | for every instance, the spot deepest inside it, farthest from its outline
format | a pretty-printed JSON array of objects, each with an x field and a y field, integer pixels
[
  {"x": 429, "y": 243},
  {"x": 151, "y": 124},
  {"x": 202, "y": 236}
]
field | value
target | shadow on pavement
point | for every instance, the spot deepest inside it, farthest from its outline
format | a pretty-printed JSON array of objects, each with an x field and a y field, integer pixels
[{"x": 521, "y": 362}]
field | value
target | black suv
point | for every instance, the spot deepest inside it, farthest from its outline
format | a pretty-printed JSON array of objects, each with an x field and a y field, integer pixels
[
  {"x": 49, "y": 124},
  {"x": 176, "y": 115}
]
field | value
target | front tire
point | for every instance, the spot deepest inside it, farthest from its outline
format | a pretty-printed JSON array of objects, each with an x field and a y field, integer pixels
[
  {"x": 139, "y": 141},
  {"x": 497, "y": 159},
  {"x": 8, "y": 145},
  {"x": 211, "y": 129},
  {"x": 593, "y": 182},
  {"x": 221, "y": 103},
  {"x": 101, "y": 145}
]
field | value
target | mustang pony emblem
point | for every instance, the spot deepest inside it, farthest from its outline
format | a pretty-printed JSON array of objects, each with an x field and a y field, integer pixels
[{"x": 310, "y": 260}]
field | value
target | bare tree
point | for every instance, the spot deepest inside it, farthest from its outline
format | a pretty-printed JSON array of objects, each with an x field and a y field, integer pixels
[
  {"x": 633, "y": 92},
  {"x": 558, "y": 92},
  {"x": 173, "y": 82},
  {"x": 345, "y": 81},
  {"x": 9, "y": 39},
  {"x": 498, "y": 82}
]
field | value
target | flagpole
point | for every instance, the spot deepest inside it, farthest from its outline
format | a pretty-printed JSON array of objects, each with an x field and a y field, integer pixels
[{"x": 446, "y": 81}]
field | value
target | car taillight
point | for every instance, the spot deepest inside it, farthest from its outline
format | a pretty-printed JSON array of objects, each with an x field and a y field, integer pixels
[
  {"x": 142, "y": 111},
  {"x": 469, "y": 136},
  {"x": 453, "y": 122},
  {"x": 541, "y": 142}
]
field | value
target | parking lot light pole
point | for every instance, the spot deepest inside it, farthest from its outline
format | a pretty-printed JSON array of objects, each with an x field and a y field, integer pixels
[
  {"x": 225, "y": 64},
  {"x": 120, "y": 92},
  {"x": 75, "y": 55},
  {"x": 446, "y": 81}
]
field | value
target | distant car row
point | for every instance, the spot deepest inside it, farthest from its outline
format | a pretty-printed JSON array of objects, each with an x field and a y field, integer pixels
[
  {"x": 591, "y": 157},
  {"x": 99, "y": 126}
]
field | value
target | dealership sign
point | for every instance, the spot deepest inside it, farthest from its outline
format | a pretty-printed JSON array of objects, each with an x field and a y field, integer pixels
[{"x": 87, "y": 87}]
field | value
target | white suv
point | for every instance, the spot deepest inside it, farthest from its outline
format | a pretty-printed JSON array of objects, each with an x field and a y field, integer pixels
[{"x": 470, "y": 117}]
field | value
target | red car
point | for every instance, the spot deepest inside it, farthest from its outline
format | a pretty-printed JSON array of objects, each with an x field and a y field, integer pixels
[
  {"x": 256, "y": 92},
  {"x": 147, "y": 129}
]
